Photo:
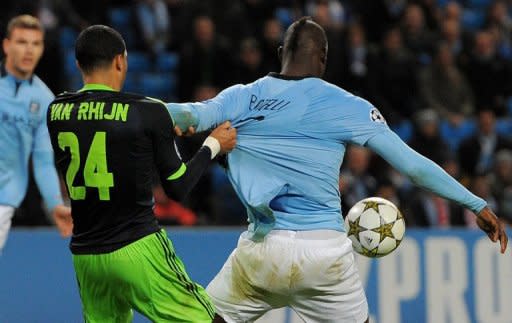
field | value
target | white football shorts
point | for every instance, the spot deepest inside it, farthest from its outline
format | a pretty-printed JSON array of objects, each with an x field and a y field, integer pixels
[
  {"x": 313, "y": 272},
  {"x": 6, "y": 214}
]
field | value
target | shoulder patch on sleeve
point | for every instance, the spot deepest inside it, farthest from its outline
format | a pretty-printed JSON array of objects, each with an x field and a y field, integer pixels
[{"x": 376, "y": 116}]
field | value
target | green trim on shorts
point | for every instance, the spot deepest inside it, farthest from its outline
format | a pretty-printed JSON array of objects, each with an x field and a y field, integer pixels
[
  {"x": 145, "y": 276},
  {"x": 177, "y": 266}
]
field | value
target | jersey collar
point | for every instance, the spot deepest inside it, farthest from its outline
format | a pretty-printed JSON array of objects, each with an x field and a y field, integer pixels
[
  {"x": 96, "y": 87},
  {"x": 289, "y": 78}
]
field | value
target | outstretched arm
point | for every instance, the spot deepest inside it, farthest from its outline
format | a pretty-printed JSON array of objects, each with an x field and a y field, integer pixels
[
  {"x": 207, "y": 114},
  {"x": 199, "y": 116},
  {"x": 428, "y": 175}
]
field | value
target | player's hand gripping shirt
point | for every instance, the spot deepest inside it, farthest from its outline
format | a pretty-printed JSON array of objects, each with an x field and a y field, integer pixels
[{"x": 292, "y": 135}]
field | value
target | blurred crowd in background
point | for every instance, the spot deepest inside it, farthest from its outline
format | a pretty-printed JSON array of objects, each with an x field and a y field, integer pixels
[{"x": 440, "y": 72}]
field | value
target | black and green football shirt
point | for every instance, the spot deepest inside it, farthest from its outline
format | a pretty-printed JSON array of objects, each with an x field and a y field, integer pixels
[{"x": 107, "y": 146}]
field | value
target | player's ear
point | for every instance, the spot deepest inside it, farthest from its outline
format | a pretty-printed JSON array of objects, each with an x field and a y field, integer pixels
[
  {"x": 323, "y": 56},
  {"x": 119, "y": 62},
  {"x": 5, "y": 45},
  {"x": 280, "y": 53}
]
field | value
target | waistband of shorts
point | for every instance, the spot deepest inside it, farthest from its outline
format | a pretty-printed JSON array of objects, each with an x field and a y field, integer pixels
[
  {"x": 309, "y": 234},
  {"x": 309, "y": 239}
]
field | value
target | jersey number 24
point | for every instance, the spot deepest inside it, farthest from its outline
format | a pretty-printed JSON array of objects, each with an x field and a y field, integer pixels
[{"x": 95, "y": 171}]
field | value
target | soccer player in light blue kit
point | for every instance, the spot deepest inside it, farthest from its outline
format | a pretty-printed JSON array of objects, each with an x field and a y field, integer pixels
[
  {"x": 24, "y": 101},
  {"x": 293, "y": 129}
]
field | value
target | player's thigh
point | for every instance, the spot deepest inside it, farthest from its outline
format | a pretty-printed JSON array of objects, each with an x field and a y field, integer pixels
[
  {"x": 165, "y": 292},
  {"x": 103, "y": 300},
  {"x": 239, "y": 290},
  {"x": 336, "y": 293}
]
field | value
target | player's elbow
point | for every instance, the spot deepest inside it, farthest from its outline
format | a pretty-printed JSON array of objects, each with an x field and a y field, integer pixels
[
  {"x": 413, "y": 165},
  {"x": 410, "y": 169},
  {"x": 414, "y": 172},
  {"x": 175, "y": 193}
]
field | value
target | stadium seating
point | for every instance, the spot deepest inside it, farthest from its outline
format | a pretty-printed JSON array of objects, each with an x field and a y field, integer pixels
[
  {"x": 442, "y": 3},
  {"x": 68, "y": 37},
  {"x": 131, "y": 84},
  {"x": 454, "y": 135},
  {"x": 73, "y": 75},
  {"x": 70, "y": 63},
  {"x": 158, "y": 85},
  {"x": 404, "y": 130},
  {"x": 167, "y": 62},
  {"x": 504, "y": 127},
  {"x": 285, "y": 16},
  {"x": 138, "y": 62},
  {"x": 121, "y": 19},
  {"x": 478, "y": 4},
  {"x": 472, "y": 19}
]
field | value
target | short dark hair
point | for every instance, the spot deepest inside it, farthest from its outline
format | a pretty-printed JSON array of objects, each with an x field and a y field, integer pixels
[
  {"x": 23, "y": 22},
  {"x": 96, "y": 47},
  {"x": 304, "y": 34}
]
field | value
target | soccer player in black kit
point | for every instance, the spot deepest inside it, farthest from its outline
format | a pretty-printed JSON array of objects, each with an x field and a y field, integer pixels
[{"x": 107, "y": 145}]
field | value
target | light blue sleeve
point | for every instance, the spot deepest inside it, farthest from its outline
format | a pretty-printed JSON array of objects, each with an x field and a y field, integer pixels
[
  {"x": 45, "y": 173},
  {"x": 422, "y": 171},
  {"x": 210, "y": 113}
]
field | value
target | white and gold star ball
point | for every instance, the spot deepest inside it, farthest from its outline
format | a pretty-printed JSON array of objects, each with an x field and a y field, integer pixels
[{"x": 375, "y": 226}]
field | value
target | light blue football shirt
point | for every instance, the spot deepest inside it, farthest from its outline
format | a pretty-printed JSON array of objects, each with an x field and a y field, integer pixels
[
  {"x": 291, "y": 141},
  {"x": 292, "y": 135},
  {"x": 23, "y": 132}
]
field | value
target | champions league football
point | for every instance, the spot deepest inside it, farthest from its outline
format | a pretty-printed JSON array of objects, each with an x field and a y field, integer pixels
[{"x": 375, "y": 226}]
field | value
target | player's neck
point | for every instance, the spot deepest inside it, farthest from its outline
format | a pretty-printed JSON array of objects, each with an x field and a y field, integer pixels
[
  {"x": 293, "y": 69},
  {"x": 104, "y": 79}
]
